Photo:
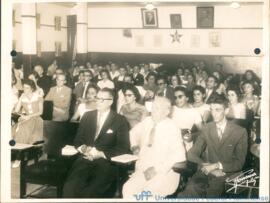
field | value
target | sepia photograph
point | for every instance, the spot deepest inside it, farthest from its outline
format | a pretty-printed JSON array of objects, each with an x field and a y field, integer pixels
[{"x": 95, "y": 106}]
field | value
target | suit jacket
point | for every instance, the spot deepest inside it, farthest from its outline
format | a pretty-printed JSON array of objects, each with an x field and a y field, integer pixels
[
  {"x": 169, "y": 94},
  {"x": 138, "y": 80},
  {"x": 212, "y": 96},
  {"x": 61, "y": 100},
  {"x": 113, "y": 138},
  {"x": 79, "y": 88},
  {"x": 230, "y": 151}
]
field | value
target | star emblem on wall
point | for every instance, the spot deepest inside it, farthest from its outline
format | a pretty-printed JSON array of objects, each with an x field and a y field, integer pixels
[{"x": 176, "y": 37}]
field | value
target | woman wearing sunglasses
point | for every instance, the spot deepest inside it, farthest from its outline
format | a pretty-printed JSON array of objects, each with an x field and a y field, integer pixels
[
  {"x": 132, "y": 110},
  {"x": 185, "y": 116}
]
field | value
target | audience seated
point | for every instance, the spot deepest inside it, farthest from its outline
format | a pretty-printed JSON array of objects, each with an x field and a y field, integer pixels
[
  {"x": 158, "y": 150},
  {"x": 249, "y": 98},
  {"x": 225, "y": 145},
  {"x": 113, "y": 71},
  {"x": 211, "y": 86},
  {"x": 132, "y": 110},
  {"x": 61, "y": 97},
  {"x": 164, "y": 90},
  {"x": 43, "y": 80},
  {"x": 138, "y": 79}
]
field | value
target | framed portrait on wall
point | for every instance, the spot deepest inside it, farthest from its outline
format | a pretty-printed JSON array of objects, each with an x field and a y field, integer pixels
[
  {"x": 57, "y": 48},
  {"x": 205, "y": 17},
  {"x": 57, "y": 23},
  {"x": 176, "y": 21},
  {"x": 149, "y": 18}
]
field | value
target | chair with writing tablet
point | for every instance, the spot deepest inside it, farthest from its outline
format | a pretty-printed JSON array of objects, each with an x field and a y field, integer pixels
[{"x": 53, "y": 170}]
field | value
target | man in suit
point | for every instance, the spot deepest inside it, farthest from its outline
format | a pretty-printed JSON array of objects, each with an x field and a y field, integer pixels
[
  {"x": 211, "y": 86},
  {"x": 102, "y": 134},
  {"x": 137, "y": 77},
  {"x": 164, "y": 90},
  {"x": 80, "y": 89},
  {"x": 43, "y": 80},
  {"x": 61, "y": 97},
  {"x": 225, "y": 148}
]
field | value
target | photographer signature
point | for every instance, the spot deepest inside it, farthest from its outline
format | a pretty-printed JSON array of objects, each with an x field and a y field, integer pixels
[{"x": 245, "y": 179}]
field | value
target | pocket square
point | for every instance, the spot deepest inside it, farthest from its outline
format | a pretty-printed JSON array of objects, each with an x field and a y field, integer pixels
[{"x": 109, "y": 131}]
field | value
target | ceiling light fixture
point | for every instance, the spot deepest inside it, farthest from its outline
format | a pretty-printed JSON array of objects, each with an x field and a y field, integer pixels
[
  {"x": 149, "y": 6},
  {"x": 235, "y": 5}
]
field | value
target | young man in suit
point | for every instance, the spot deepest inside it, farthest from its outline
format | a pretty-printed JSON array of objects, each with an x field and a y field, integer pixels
[
  {"x": 102, "y": 134},
  {"x": 164, "y": 90},
  {"x": 137, "y": 77},
  {"x": 210, "y": 90},
  {"x": 225, "y": 147},
  {"x": 61, "y": 97},
  {"x": 80, "y": 89}
]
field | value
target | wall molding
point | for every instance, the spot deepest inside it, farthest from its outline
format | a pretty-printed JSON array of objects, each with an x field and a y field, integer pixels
[{"x": 168, "y": 28}]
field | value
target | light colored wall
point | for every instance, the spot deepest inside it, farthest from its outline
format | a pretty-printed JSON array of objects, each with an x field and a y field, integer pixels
[{"x": 233, "y": 41}]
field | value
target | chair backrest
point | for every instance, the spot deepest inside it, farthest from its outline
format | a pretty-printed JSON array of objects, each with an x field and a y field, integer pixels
[
  {"x": 57, "y": 135},
  {"x": 47, "y": 110}
]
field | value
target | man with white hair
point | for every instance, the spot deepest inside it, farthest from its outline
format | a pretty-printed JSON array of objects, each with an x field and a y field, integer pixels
[{"x": 157, "y": 142}]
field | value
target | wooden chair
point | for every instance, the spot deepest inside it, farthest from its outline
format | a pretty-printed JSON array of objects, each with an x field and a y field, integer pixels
[{"x": 54, "y": 169}]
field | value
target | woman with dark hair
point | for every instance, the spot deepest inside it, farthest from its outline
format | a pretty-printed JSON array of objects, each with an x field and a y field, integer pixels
[
  {"x": 132, "y": 110},
  {"x": 235, "y": 109},
  {"x": 221, "y": 89},
  {"x": 250, "y": 99},
  {"x": 34, "y": 77},
  {"x": 191, "y": 83},
  {"x": 175, "y": 81},
  {"x": 89, "y": 104},
  {"x": 106, "y": 80},
  {"x": 250, "y": 76},
  {"x": 29, "y": 128},
  {"x": 199, "y": 104},
  {"x": 151, "y": 86}
]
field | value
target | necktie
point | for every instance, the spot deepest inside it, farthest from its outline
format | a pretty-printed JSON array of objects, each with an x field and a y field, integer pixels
[
  {"x": 219, "y": 130},
  {"x": 151, "y": 136},
  {"x": 84, "y": 91}
]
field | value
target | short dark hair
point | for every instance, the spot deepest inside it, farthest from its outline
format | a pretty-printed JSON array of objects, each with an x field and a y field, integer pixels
[
  {"x": 182, "y": 89},
  {"x": 234, "y": 89},
  {"x": 105, "y": 71},
  {"x": 151, "y": 74},
  {"x": 219, "y": 99},
  {"x": 134, "y": 90},
  {"x": 162, "y": 77},
  {"x": 31, "y": 83},
  {"x": 94, "y": 87},
  {"x": 109, "y": 91},
  {"x": 215, "y": 78},
  {"x": 199, "y": 88}
]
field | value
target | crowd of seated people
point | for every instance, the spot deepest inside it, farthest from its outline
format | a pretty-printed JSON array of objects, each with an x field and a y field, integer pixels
[{"x": 132, "y": 92}]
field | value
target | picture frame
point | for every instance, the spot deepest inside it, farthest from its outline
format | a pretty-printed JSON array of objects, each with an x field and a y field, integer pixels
[
  {"x": 176, "y": 21},
  {"x": 149, "y": 18},
  {"x": 205, "y": 17}
]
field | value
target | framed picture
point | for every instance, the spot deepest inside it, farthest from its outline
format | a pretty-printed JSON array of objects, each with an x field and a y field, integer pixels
[
  {"x": 149, "y": 18},
  {"x": 176, "y": 21},
  {"x": 205, "y": 17},
  {"x": 57, "y": 23}
]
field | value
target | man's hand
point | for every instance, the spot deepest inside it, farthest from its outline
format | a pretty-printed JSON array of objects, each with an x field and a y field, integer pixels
[
  {"x": 97, "y": 154},
  {"x": 208, "y": 167},
  {"x": 217, "y": 173},
  {"x": 150, "y": 173},
  {"x": 135, "y": 150}
]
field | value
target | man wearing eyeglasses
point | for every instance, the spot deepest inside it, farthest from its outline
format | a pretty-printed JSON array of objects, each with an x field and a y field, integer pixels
[
  {"x": 225, "y": 146},
  {"x": 163, "y": 89},
  {"x": 102, "y": 134}
]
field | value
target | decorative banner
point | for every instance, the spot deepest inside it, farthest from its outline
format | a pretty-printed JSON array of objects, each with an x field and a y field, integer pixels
[
  {"x": 157, "y": 41},
  {"x": 176, "y": 37},
  {"x": 139, "y": 41},
  {"x": 127, "y": 33},
  {"x": 214, "y": 39},
  {"x": 195, "y": 41}
]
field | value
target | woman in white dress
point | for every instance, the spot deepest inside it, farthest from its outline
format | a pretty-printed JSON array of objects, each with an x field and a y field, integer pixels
[
  {"x": 106, "y": 80},
  {"x": 89, "y": 105},
  {"x": 185, "y": 116}
]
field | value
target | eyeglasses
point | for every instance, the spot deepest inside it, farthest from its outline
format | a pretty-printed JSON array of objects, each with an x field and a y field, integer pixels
[
  {"x": 161, "y": 83},
  {"x": 128, "y": 95},
  {"x": 103, "y": 99},
  {"x": 178, "y": 97}
]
